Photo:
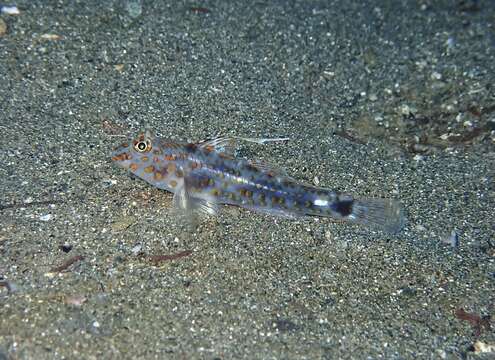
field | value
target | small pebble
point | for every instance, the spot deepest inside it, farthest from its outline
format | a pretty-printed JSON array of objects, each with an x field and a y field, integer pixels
[
  {"x": 452, "y": 239},
  {"x": 50, "y": 37},
  {"x": 134, "y": 8},
  {"x": 407, "y": 110},
  {"x": 420, "y": 227},
  {"x": 123, "y": 223},
  {"x": 3, "y": 27},
  {"x": 66, "y": 247},
  {"x": 76, "y": 300},
  {"x": 436, "y": 76},
  {"x": 136, "y": 249},
  {"x": 10, "y": 286},
  {"x": 450, "y": 43},
  {"x": 46, "y": 217},
  {"x": 9, "y": 10},
  {"x": 481, "y": 347},
  {"x": 109, "y": 182}
]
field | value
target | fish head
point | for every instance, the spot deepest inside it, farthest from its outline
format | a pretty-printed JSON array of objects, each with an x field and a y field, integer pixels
[{"x": 136, "y": 154}]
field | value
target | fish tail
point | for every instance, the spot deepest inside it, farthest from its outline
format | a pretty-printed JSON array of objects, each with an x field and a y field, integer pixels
[{"x": 385, "y": 214}]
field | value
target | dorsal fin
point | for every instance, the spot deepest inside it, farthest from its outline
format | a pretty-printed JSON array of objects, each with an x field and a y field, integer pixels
[
  {"x": 228, "y": 145},
  {"x": 271, "y": 170},
  {"x": 220, "y": 144}
]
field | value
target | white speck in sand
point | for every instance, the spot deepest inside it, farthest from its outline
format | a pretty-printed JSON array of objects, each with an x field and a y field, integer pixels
[{"x": 46, "y": 217}]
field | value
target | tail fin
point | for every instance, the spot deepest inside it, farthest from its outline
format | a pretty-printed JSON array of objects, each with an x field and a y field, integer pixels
[{"x": 385, "y": 214}]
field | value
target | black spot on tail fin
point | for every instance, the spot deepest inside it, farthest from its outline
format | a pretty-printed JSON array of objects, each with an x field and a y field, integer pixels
[{"x": 344, "y": 207}]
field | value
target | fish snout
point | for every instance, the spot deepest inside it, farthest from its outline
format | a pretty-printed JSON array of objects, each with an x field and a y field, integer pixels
[{"x": 122, "y": 153}]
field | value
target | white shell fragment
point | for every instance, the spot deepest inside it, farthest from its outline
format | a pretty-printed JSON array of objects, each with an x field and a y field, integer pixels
[
  {"x": 46, "y": 217},
  {"x": 50, "y": 37},
  {"x": 9, "y": 10}
]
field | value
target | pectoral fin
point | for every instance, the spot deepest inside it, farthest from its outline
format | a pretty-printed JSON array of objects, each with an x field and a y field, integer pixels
[{"x": 192, "y": 206}]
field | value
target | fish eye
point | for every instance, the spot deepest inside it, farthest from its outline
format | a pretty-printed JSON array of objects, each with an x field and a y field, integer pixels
[{"x": 143, "y": 146}]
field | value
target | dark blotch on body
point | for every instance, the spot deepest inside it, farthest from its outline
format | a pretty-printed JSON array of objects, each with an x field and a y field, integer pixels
[{"x": 344, "y": 207}]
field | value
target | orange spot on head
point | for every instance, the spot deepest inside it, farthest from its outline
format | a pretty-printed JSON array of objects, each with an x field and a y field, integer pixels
[
  {"x": 134, "y": 167},
  {"x": 173, "y": 183},
  {"x": 144, "y": 158},
  {"x": 122, "y": 157},
  {"x": 149, "y": 169}
]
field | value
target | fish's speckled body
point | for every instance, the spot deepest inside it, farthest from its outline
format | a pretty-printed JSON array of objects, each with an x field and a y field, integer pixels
[{"x": 205, "y": 174}]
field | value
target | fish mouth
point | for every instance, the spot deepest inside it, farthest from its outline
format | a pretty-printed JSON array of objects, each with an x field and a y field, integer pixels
[{"x": 121, "y": 157}]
